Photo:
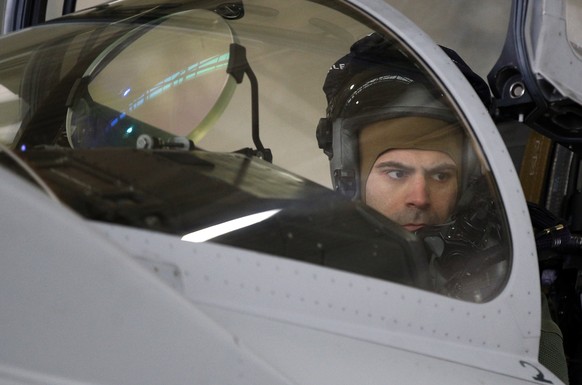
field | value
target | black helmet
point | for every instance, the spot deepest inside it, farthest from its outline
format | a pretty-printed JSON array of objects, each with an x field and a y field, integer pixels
[{"x": 376, "y": 81}]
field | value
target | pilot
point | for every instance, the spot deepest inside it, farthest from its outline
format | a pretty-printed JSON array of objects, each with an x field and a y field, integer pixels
[
  {"x": 409, "y": 169},
  {"x": 391, "y": 139},
  {"x": 394, "y": 143}
]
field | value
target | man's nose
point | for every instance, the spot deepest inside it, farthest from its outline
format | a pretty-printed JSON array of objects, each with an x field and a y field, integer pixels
[{"x": 418, "y": 192}]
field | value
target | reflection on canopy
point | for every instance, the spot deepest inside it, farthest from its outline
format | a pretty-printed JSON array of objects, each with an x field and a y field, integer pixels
[
  {"x": 187, "y": 79},
  {"x": 215, "y": 63}
]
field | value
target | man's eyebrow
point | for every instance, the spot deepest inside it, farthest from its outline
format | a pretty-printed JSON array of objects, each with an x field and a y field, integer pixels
[
  {"x": 394, "y": 164},
  {"x": 441, "y": 167}
]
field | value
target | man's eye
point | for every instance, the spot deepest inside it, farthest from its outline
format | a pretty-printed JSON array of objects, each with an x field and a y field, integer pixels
[
  {"x": 396, "y": 174},
  {"x": 441, "y": 176}
]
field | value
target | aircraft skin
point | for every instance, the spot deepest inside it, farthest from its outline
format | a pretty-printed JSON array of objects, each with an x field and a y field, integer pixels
[
  {"x": 86, "y": 302},
  {"x": 88, "y": 312}
]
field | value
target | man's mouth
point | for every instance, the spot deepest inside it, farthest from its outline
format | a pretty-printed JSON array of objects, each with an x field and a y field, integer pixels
[{"x": 413, "y": 226}]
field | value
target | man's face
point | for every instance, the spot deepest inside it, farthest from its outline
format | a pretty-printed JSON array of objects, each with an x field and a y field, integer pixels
[{"x": 414, "y": 188}]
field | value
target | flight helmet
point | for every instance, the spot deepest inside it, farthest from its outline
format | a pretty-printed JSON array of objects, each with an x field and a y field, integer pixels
[{"x": 377, "y": 81}]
